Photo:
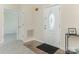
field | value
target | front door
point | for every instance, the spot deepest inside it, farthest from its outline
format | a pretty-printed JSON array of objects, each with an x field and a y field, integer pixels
[{"x": 51, "y": 26}]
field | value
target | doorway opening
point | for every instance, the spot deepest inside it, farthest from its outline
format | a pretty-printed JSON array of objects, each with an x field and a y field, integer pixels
[{"x": 10, "y": 25}]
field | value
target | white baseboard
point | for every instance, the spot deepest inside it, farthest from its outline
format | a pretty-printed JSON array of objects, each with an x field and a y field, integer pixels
[{"x": 30, "y": 39}]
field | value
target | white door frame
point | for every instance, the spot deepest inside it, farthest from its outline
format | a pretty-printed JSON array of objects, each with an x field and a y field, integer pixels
[{"x": 17, "y": 20}]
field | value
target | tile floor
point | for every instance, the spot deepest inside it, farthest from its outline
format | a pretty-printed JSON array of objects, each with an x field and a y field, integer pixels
[{"x": 15, "y": 47}]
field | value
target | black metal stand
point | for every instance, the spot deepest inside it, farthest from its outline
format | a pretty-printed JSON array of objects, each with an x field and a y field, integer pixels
[{"x": 67, "y": 51}]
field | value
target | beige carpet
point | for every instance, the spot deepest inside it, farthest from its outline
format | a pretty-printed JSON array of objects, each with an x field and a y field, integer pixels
[{"x": 33, "y": 44}]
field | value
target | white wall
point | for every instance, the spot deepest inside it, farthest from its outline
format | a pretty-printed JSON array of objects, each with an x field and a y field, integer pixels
[
  {"x": 37, "y": 21},
  {"x": 33, "y": 20},
  {"x": 27, "y": 11},
  {"x": 69, "y": 18}
]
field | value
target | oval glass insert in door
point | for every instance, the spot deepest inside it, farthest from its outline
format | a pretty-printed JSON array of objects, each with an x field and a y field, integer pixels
[{"x": 51, "y": 21}]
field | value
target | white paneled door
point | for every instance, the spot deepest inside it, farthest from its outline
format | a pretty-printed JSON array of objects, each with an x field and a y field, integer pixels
[
  {"x": 21, "y": 29},
  {"x": 51, "y": 25}
]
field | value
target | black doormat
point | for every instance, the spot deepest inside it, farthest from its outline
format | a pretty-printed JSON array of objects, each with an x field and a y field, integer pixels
[{"x": 47, "y": 48}]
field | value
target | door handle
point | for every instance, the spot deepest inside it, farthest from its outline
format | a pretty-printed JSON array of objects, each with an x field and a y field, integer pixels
[{"x": 45, "y": 27}]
